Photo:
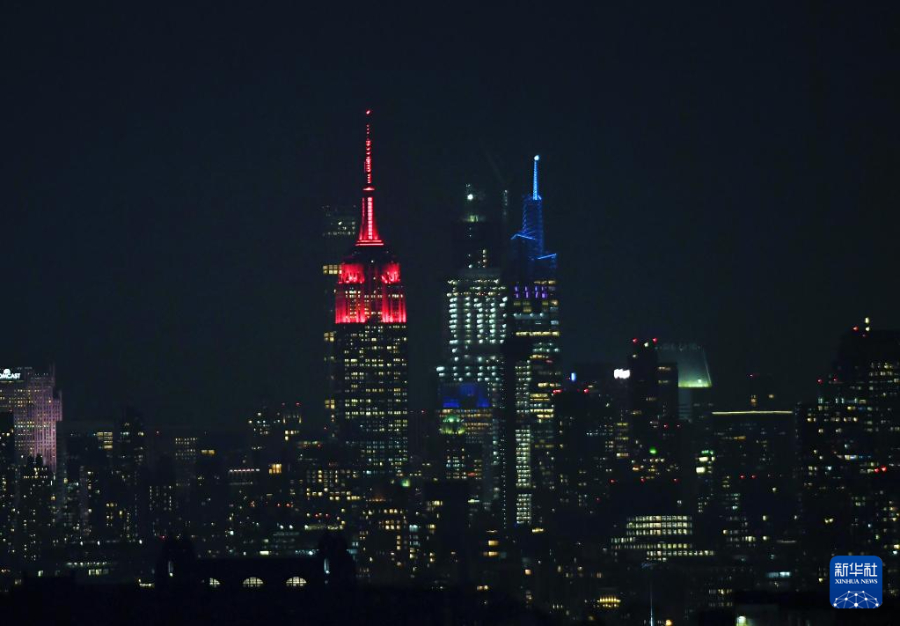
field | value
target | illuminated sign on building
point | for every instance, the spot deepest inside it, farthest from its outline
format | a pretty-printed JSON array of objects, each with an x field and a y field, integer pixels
[
  {"x": 9, "y": 375},
  {"x": 622, "y": 374}
]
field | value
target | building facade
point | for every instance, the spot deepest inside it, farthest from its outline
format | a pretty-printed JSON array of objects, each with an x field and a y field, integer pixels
[
  {"x": 533, "y": 321},
  {"x": 848, "y": 441},
  {"x": 339, "y": 229},
  {"x": 36, "y": 405},
  {"x": 474, "y": 328}
]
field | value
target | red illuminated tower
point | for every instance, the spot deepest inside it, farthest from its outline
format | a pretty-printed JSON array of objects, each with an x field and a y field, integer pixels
[{"x": 371, "y": 366}]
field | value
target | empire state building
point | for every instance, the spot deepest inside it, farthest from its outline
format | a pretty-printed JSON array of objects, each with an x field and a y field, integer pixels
[{"x": 371, "y": 365}]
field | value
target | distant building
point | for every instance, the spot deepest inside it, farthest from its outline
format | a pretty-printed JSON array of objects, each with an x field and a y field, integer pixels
[
  {"x": 339, "y": 229},
  {"x": 694, "y": 380},
  {"x": 466, "y": 433},
  {"x": 763, "y": 391},
  {"x": 474, "y": 328},
  {"x": 533, "y": 318},
  {"x": 654, "y": 424},
  {"x": 243, "y": 487},
  {"x": 371, "y": 363},
  {"x": 850, "y": 452},
  {"x": 276, "y": 432},
  {"x": 187, "y": 450},
  {"x": 387, "y": 546},
  {"x": 440, "y": 533},
  {"x": 474, "y": 316},
  {"x": 209, "y": 503},
  {"x": 328, "y": 498},
  {"x": 87, "y": 480},
  {"x": 7, "y": 489},
  {"x": 130, "y": 469},
  {"x": 34, "y": 514},
  {"x": 586, "y": 448},
  {"x": 746, "y": 487},
  {"x": 612, "y": 383},
  {"x": 36, "y": 405},
  {"x": 162, "y": 509},
  {"x": 657, "y": 538}
]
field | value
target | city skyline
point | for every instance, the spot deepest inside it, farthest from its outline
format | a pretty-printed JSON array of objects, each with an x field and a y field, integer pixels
[
  {"x": 731, "y": 507},
  {"x": 517, "y": 313},
  {"x": 718, "y": 185}
]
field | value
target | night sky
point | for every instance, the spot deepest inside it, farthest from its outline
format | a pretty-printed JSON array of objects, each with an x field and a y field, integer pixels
[{"x": 729, "y": 178}]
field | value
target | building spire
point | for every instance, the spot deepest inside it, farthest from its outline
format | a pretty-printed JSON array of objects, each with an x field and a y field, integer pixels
[
  {"x": 368, "y": 232},
  {"x": 533, "y": 219}
]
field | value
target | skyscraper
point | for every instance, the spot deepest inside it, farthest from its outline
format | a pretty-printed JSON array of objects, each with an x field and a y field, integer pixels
[
  {"x": 186, "y": 452},
  {"x": 339, "y": 229},
  {"x": 532, "y": 261},
  {"x": 34, "y": 515},
  {"x": 849, "y": 454},
  {"x": 371, "y": 364},
  {"x": 694, "y": 380},
  {"x": 745, "y": 475},
  {"x": 585, "y": 442},
  {"x": 467, "y": 432},
  {"x": 36, "y": 406},
  {"x": 474, "y": 329},
  {"x": 474, "y": 324},
  {"x": 653, "y": 403},
  {"x": 130, "y": 467},
  {"x": 533, "y": 308}
]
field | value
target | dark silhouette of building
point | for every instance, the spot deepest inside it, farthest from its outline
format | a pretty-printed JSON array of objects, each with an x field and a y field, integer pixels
[
  {"x": 746, "y": 489},
  {"x": 585, "y": 456},
  {"x": 178, "y": 566},
  {"x": 849, "y": 455},
  {"x": 34, "y": 528},
  {"x": 340, "y": 226},
  {"x": 130, "y": 470},
  {"x": 7, "y": 493}
]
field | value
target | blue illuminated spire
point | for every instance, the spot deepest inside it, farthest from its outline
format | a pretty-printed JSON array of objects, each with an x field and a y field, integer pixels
[
  {"x": 533, "y": 218},
  {"x": 528, "y": 243}
]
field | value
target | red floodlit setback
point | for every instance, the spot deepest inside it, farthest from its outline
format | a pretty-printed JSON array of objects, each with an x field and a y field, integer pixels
[
  {"x": 369, "y": 281},
  {"x": 366, "y": 290},
  {"x": 390, "y": 273}
]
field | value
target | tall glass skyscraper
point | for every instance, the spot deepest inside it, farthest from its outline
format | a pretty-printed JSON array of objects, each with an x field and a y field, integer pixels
[
  {"x": 474, "y": 329},
  {"x": 533, "y": 309},
  {"x": 474, "y": 322},
  {"x": 371, "y": 366}
]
